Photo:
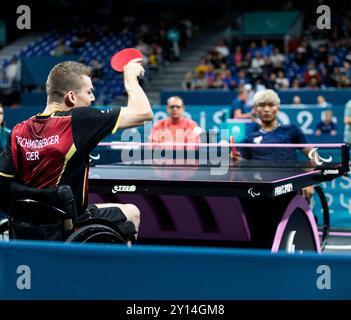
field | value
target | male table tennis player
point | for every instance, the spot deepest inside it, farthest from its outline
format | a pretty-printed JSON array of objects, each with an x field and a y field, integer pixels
[
  {"x": 53, "y": 147},
  {"x": 266, "y": 104}
]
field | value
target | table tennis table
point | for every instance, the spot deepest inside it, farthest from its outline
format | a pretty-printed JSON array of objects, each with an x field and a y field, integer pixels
[{"x": 247, "y": 206}]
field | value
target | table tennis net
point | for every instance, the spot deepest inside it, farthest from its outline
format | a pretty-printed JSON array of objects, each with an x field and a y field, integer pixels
[{"x": 238, "y": 155}]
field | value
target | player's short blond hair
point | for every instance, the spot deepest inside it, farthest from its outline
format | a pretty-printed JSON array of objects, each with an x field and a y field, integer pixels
[
  {"x": 64, "y": 77},
  {"x": 266, "y": 96}
]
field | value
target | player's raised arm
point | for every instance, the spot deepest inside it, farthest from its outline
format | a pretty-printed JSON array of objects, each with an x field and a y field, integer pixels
[{"x": 138, "y": 109}]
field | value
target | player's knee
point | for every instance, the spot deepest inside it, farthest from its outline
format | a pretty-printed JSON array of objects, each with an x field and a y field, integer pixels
[{"x": 133, "y": 213}]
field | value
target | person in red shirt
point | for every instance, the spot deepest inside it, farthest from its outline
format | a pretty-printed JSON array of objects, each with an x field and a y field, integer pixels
[{"x": 176, "y": 128}]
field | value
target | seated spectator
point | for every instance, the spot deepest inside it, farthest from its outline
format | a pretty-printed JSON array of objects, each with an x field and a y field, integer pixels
[
  {"x": 4, "y": 132},
  {"x": 238, "y": 56},
  {"x": 311, "y": 74},
  {"x": 202, "y": 67},
  {"x": 188, "y": 82},
  {"x": 240, "y": 108},
  {"x": 200, "y": 81},
  {"x": 297, "y": 102},
  {"x": 13, "y": 72},
  {"x": 321, "y": 102},
  {"x": 266, "y": 49},
  {"x": 217, "y": 82},
  {"x": 176, "y": 128},
  {"x": 326, "y": 126},
  {"x": 143, "y": 47},
  {"x": 241, "y": 78},
  {"x": 61, "y": 49},
  {"x": 97, "y": 70},
  {"x": 257, "y": 64},
  {"x": 296, "y": 84},
  {"x": 281, "y": 82},
  {"x": 222, "y": 49},
  {"x": 277, "y": 60},
  {"x": 227, "y": 79},
  {"x": 210, "y": 76}
]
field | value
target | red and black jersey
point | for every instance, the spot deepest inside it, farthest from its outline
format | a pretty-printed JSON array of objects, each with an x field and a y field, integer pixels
[{"x": 47, "y": 150}]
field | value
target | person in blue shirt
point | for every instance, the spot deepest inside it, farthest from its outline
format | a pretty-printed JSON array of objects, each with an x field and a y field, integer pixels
[
  {"x": 4, "y": 132},
  {"x": 239, "y": 108},
  {"x": 326, "y": 126},
  {"x": 266, "y": 104}
]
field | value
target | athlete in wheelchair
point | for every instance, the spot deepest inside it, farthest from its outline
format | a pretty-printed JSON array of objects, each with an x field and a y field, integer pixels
[
  {"x": 51, "y": 214},
  {"x": 44, "y": 167}
]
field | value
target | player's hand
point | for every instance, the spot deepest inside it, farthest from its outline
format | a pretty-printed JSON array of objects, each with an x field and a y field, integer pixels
[
  {"x": 234, "y": 156},
  {"x": 133, "y": 69},
  {"x": 307, "y": 192}
]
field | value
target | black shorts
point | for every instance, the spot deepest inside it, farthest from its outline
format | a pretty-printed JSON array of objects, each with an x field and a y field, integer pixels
[{"x": 113, "y": 214}]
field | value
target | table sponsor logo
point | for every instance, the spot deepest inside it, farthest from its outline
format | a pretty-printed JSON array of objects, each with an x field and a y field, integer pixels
[
  {"x": 285, "y": 188},
  {"x": 330, "y": 171},
  {"x": 121, "y": 188}
]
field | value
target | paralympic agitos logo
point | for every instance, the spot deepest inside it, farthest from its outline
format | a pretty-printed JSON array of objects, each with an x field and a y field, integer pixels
[{"x": 313, "y": 155}]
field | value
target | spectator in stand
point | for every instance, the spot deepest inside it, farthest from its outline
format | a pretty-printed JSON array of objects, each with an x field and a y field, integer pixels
[
  {"x": 210, "y": 76},
  {"x": 13, "y": 75},
  {"x": 241, "y": 79},
  {"x": 228, "y": 80},
  {"x": 257, "y": 63},
  {"x": 246, "y": 62},
  {"x": 296, "y": 84},
  {"x": 297, "y": 102},
  {"x": 281, "y": 82},
  {"x": 222, "y": 49},
  {"x": 176, "y": 128},
  {"x": 13, "y": 72},
  {"x": 4, "y": 132},
  {"x": 266, "y": 49},
  {"x": 310, "y": 74},
  {"x": 143, "y": 47},
  {"x": 326, "y": 126},
  {"x": 61, "y": 49},
  {"x": 188, "y": 82},
  {"x": 293, "y": 44},
  {"x": 240, "y": 108},
  {"x": 238, "y": 56},
  {"x": 97, "y": 71},
  {"x": 277, "y": 59},
  {"x": 271, "y": 82},
  {"x": 173, "y": 35},
  {"x": 217, "y": 83},
  {"x": 202, "y": 67},
  {"x": 321, "y": 102},
  {"x": 200, "y": 81},
  {"x": 344, "y": 82}
]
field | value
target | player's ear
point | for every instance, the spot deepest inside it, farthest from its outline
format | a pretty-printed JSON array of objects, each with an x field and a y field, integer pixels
[{"x": 70, "y": 99}]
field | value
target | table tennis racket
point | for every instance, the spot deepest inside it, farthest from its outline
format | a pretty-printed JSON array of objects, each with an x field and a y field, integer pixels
[{"x": 121, "y": 58}]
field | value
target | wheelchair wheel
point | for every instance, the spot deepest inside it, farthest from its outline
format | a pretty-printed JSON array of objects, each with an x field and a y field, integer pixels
[{"x": 95, "y": 233}]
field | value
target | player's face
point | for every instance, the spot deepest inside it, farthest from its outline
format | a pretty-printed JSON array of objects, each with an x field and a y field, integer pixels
[
  {"x": 85, "y": 96},
  {"x": 267, "y": 111}
]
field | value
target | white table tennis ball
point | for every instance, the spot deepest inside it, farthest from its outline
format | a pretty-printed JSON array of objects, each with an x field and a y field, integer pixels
[{"x": 197, "y": 130}]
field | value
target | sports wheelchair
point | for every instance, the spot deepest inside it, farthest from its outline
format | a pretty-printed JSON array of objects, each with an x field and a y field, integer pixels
[{"x": 51, "y": 214}]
